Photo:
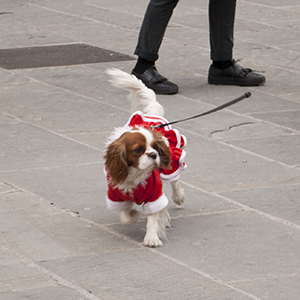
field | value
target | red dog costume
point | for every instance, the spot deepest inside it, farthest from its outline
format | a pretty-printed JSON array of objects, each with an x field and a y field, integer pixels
[{"x": 149, "y": 192}]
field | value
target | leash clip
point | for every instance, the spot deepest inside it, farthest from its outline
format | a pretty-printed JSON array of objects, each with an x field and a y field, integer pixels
[{"x": 155, "y": 127}]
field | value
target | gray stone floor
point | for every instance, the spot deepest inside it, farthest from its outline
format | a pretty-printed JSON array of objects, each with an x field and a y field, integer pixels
[{"x": 238, "y": 234}]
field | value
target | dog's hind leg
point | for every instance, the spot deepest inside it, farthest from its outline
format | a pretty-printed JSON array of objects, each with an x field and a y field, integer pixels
[
  {"x": 129, "y": 216},
  {"x": 177, "y": 193}
]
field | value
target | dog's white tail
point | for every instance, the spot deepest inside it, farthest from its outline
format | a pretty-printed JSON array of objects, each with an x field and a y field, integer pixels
[{"x": 141, "y": 97}]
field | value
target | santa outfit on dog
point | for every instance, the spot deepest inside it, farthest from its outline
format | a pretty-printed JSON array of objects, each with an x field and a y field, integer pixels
[{"x": 149, "y": 192}]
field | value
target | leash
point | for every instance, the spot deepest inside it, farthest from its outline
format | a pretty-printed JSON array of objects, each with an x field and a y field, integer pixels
[{"x": 246, "y": 95}]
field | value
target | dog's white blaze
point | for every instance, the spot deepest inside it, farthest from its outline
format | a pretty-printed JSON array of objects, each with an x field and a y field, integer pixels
[{"x": 145, "y": 161}]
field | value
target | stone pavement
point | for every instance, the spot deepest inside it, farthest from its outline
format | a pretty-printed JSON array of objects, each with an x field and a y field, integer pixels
[{"x": 238, "y": 234}]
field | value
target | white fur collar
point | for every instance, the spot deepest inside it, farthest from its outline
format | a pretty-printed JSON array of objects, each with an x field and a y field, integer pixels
[{"x": 115, "y": 134}]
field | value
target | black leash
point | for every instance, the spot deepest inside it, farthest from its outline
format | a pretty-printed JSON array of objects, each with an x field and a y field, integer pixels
[{"x": 246, "y": 95}]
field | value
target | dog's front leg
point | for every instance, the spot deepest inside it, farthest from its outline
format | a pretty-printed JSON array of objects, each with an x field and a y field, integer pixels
[
  {"x": 151, "y": 238},
  {"x": 177, "y": 193}
]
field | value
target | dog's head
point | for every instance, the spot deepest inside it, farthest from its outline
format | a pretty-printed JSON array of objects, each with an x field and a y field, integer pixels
[{"x": 139, "y": 148}]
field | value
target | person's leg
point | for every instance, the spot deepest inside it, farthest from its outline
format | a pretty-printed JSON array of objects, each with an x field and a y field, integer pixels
[
  {"x": 224, "y": 69},
  {"x": 221, "y": 27},
  {"x": 156, "y": 19}
]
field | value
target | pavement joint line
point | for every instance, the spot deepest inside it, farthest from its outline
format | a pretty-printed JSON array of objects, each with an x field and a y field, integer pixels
[
  {"x": 68, "y": 166},
  {"x": 283, "y": 68},
  {"x": 256, "y": 188},
  {"x": 265, "y": 278},
  {"x": 247, "y": 208},
  {"x": 258, "y": 137},
  {"x": 116, "y": 11},
  {"x": 208, "y": 213},
  {"x": 278, "y": 8},
  {"x": 280, "y": 111},
  {"x": 52, "y": 131},
  {"x": 58, "y": 279},
  {"x": 83, "y": 18},
  {"x": 267, "y": 92},
  {"x": 266, "y": 6}
]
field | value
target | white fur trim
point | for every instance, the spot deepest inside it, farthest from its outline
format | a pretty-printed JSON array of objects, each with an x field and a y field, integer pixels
[
  {"x": 185, "y": 141},
  {"x": 156, "y": 206},
  {"x": 116, "y": 133},
  {"x": 114, "y": 205},
  {"x": 176, "y": 175},
  {"x": 151, "y": 118}
]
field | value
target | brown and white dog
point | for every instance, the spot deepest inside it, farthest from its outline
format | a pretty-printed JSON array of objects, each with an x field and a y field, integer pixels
[{"x": 138, "y": 159}]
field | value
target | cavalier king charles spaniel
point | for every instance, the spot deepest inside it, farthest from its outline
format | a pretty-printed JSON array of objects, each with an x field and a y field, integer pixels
[{"x": 139, "y": 158}]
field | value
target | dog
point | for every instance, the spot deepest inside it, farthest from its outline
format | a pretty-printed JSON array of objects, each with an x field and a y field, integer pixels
[{"x": 139, "y": 158}]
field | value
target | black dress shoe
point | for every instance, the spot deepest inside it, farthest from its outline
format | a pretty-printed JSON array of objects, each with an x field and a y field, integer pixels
[
  {"x": 234, "y": 75},
  {"x": 158, "y": 83}
]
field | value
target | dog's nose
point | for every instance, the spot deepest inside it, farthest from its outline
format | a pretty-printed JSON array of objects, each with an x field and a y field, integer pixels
[{"x": 152, "y": 155}]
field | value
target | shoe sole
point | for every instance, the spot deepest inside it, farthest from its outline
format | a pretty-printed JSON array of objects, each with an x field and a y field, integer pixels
[
  {"x": 171, "y": 90},
  {"x": 159, "y": 91},
  {"x": 233, "y": 81}
]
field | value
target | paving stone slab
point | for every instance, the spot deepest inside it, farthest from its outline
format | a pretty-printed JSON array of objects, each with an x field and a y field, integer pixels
[
  {"x": 99, "y": 34},
  {"x": 268, "y": 14},
  {"x": 42, "y": 230},
  {"x": 14, "y": 270},
  {"x": 197, "y": 202},
  {"x": 287, "y": 119},
  {"x": 32, "y": 38},
  {"x": 62, "y": 111},
  {"x": 274, "y": 147},
  {"x": 111, "y": 276},
  {"x": 234, "y": 246},
  {"x": 80, "y": 189},
  {"x": 81, "y": 80},
  {"x": 27, "y": 146},
  {"x": 52, "y": 293},
  {"x": 97, "y": 12},
  {"x": 277, "y": 3},
  {"x": 37, "y": 16},
  {"x": 261, "y": 102},
  {"x": 279, "y": 288},
  {"x": 215, "y": 167},
  {"x": 279, "y": 201}
]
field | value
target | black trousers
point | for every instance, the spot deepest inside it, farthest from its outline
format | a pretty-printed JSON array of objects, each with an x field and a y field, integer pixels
[{"x": 158, "y": 15}]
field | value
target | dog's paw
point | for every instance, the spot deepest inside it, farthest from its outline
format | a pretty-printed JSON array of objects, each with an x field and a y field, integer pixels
[
  {"x": 128, "y": 218},
  {"x": 178, "y": 196},
  {"x": 152, "y": 242}
]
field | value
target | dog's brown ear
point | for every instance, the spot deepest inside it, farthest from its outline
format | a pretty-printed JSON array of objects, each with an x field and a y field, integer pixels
[
  {"x": 115, "y": 162},
  {"x": 163, "y": 150}
]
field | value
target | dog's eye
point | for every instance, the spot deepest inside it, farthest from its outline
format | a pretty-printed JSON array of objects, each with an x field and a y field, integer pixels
[
  {"x": 155, "y": 147},
  {"x": 139, "y": 150}
]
